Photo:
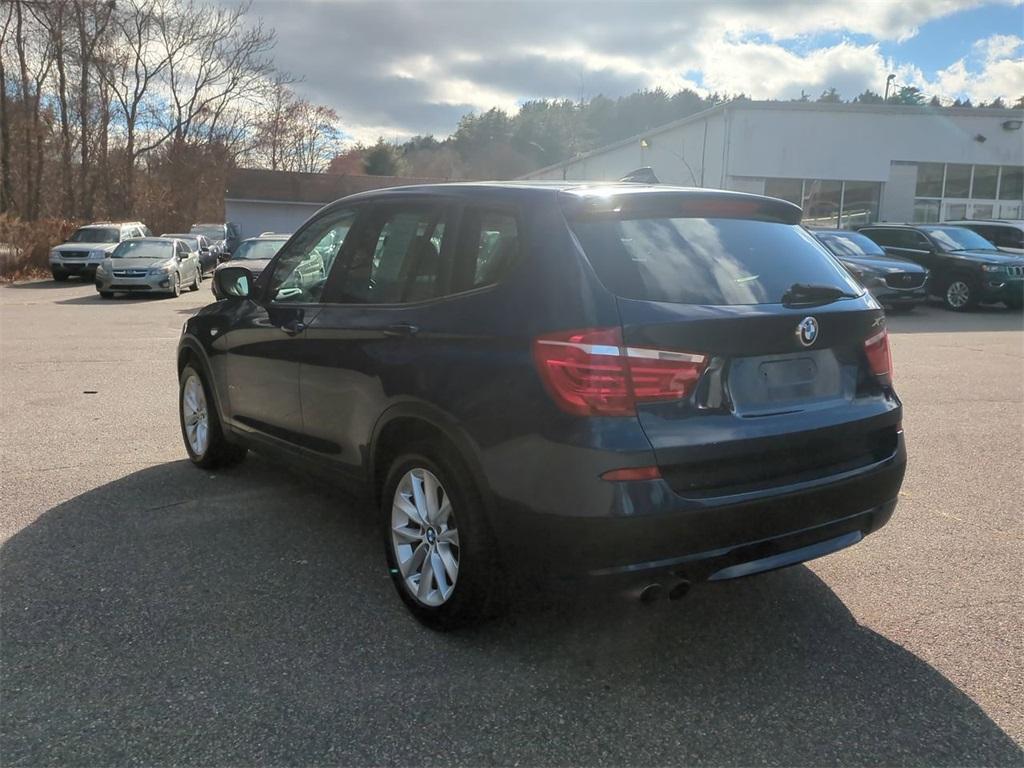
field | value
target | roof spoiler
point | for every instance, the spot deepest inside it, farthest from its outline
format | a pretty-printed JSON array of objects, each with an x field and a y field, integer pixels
[{"x": 643, "y": 175}]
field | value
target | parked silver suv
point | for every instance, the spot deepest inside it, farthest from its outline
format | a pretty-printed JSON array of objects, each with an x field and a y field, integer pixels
[
  {"x": 89, "y": 245},
  {"x": 149, "y": 265}
]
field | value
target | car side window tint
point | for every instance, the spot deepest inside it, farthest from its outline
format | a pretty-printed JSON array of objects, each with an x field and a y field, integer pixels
[
  {"x": 396, "y": 257},
  {"x": 917, "y": 240},
  {"x": 1007, "y": 237},
  {"x": 880, "y": 236},
  {"x": 300, "y": 271},
  {"x": 489, "y": 247}
]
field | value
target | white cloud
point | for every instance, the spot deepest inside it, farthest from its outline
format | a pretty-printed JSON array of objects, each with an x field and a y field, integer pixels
[{"x": 398, "y": 67}]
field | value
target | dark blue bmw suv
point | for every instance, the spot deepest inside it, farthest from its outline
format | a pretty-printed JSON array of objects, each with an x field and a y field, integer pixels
[{"x": 639, "y": 385}]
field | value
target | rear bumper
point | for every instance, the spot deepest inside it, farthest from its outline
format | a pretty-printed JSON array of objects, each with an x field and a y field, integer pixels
[{"x": 653, "y": 530}]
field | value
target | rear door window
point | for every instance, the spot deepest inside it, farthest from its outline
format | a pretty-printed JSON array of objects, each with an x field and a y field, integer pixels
[
  {"x": 397, "y": 256},
  {"x": 718, "y": 261},
  {"x": 489, "y": 247}
]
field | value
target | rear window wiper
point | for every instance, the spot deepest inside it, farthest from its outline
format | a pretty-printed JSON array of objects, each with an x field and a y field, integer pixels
[{"x": 808, "y": 293}]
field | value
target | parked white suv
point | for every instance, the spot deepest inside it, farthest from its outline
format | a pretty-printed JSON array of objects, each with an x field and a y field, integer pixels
[
  {"x": 1005, "y": 235},
  {"x": 89, "y": 245}
]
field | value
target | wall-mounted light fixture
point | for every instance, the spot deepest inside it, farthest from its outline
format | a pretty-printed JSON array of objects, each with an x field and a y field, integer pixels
[
  {"x": 1012, "y": 125},
  {"x": 645, "y": 144}
]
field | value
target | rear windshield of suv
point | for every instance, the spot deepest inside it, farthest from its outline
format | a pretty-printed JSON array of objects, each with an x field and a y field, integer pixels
[{"x": 717, "y": 261}]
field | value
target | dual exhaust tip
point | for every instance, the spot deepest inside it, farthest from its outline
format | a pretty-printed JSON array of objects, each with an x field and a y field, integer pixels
[{"x": 656, "y": 590}]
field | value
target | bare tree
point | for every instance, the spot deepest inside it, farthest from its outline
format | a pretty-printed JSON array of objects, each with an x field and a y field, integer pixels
[
  {"x": 6, "y": 186},
  {"x": 92, "y": 22},
  {"x": 35, "y": 59},
  {"x": 215, "y": 65},
  {"x": 135, "y": 60}
]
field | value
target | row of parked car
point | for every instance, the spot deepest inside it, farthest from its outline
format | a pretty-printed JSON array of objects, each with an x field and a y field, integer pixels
[
  {"x": 903, "y": 264},
  {"x": 963, "y": 263},
  {"x": 127, "y": 257}
]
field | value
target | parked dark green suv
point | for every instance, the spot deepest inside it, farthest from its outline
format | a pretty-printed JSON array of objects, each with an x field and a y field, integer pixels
[{"x": 965, "y": 268}]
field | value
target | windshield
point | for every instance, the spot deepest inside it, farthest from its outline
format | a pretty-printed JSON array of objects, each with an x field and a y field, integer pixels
[
  {"x": 850, "y": 244},
  {"x": 212, "y": 231},
  {"x": 707, "y": 261},
  {"x": 257, "y": 249},
  {"x": 958, "y": 239},
  {"x": 142, "y": 249},
  {"x": 190, "y": 240},
  {"x": 95, "y": 235}
]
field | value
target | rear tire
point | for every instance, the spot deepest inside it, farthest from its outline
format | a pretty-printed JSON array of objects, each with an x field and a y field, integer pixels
[
  {"x": 455, "y": 550},
  {"x": 960, "y": 293},
  {"x": 1015, "y": 303},
  {"x": 200, "y": 425}
]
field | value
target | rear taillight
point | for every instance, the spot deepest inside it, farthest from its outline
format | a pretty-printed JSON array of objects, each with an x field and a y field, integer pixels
[
  {"x": 880, "y": 356},
  {"x": 591, "y": 373}
]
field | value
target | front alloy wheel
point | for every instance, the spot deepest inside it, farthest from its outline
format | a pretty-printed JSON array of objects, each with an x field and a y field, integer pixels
[
  {"x": 425, "y": 538},
  {"x": 194, "y": 415},
  {"x": 959, "y": 294}
]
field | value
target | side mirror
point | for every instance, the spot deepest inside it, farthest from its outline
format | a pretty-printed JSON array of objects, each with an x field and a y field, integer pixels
[{"x": 233, "y": 281}]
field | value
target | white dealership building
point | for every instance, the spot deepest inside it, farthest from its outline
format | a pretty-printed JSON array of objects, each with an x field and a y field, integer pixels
[{"x": 846, "y": 164}]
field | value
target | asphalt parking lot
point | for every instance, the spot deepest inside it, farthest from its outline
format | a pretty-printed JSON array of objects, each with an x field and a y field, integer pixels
[{"x": 157, "y": 614}]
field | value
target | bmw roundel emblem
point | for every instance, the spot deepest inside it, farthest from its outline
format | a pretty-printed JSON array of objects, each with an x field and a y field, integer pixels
[{"x": 807, "y": 331}]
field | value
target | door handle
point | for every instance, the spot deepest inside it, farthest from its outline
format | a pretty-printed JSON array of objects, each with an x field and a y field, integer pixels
[
  {"x": 401, "y": 329},
  {"x": 293, "y": 327}
]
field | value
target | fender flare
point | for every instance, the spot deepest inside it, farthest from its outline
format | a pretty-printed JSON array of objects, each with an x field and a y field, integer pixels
[
  {"x": 191, "y": 345},
  {"x": 447, "y": 425}
]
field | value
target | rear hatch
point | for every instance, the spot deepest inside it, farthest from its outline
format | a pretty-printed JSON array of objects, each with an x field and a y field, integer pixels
[{"x": 788, "y": 391}]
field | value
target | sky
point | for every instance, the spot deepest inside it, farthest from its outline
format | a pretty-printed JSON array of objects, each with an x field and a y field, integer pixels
[{"x": 397, "y": 69}]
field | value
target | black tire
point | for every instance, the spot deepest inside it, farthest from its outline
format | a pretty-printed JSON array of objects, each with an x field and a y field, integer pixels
[
  {"x": 953, "y": 296},
  {"x": 219, "y": 452},
  {"x": 175, "y": 291},
  {"x": 1016, "y": 303},
  {"x": 59, "y": 275},
  {"x": 106, "y": 294},
  {"x": 476, "y": 595},
  {"x": 196, "y": 281}
]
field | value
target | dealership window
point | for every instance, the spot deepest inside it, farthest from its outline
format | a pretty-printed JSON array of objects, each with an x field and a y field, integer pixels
[
  {"x": 929, "y": 179},
  {"x": 926, "y": 210},
  {"x": 958, "y": 181},
  {"x": 860, "y": 203},
  {"x": 822, "y": 202},
  {"x": 1011, "y": 183},
  {"x": 986, "y": 181},
  {"x": 958, "y": 191},
  {"x": 829, "y": 203}
]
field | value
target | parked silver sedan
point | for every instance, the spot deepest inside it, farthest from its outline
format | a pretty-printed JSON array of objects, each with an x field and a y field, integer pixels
[{"x": 149, "y": 265}]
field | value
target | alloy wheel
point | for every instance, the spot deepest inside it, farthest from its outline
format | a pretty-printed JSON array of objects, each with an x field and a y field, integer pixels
[
  {"x": 958, "y": 294},
  {"x": 194, "y": 415},
  {"x": 425, "y": 538}
]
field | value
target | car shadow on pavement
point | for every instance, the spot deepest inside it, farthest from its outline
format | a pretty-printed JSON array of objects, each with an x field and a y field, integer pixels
[
  {"x": 177, "y": 616},
  {"x": 46, "y": 284},
  {"x": 131, "y": 298}
]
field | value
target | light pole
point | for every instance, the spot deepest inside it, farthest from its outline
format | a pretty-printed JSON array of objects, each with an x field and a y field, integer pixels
[{"x": 888, "y": 80}]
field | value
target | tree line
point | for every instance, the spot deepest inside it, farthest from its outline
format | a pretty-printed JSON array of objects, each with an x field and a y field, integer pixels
[
  {"x": 138, "y": 108},
  {"x": 498, "y": 145}
]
